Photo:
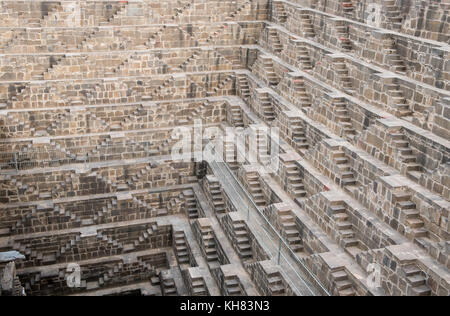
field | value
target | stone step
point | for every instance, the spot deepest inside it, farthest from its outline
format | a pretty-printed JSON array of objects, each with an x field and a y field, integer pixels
[
  {"x": 415, "y": 222},
  {"x": 416, "y": 280},
  {"x": 350, "y": 242},
  {"x": 422, "y": 290},
  {"x": 347, "y": 233},
  {"x": 411, "y": 270}
]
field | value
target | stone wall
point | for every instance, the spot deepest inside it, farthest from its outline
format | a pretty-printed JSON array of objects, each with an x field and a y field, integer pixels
[{"x": 413, "y": 17}]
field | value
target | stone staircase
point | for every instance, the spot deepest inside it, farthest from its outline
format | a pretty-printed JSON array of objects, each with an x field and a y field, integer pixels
[
  {"x": 234, "y": 60},
  {"x": 195, "y": 114},
  {"x": 275, "y": 284},
  {"x": 209, "y": 246},
  {"x": 242, "y": 240},
  {"x": 151, "y": 42},
  {"x": 303, "y": 58},
  {"x": 406, "y": 156},
  {"x": 298, "y": 136},
  {"x": 344, "y": 229},
  {"x": 191, "y": 204},
  {"x": 255, "y": 190},
  {"x": 44, "y": 72},
  {"x": 398, "y": 101},
  {"x": 306, "y": 25},
  {"x": 65, "y": 151},
  {"x": 120, "y": 12},
  {"x": 84, "y": 45},
  {"x": 393, "y": 14},
  {"x": 196, "y": 89},
  {"x": 181, "y": 248},
  {"x": 137, "y": 64},
  {"x": 274, "y": 41},
  {"x": 86, "y": 198},
  {"x": 148, "y": 148},
  {"x": 114, "y": 14},
  {"x": 13, "y": 40},
  {"x": 197, "y": 285},
  {"x": 244, "y": 87},
  {"x": 280, "y": 11},
  {"x": 269, "y": 71},
  {"x": 91, "y": 117},
  {"x": 232, "y": 286},
  {"x": 188, "y": 37},
  {"x": 167, "y": 283},
  {"x": 294, "y": 183},
  {"x": 214, "y": 35},
  {"x": 290, "y": 231},
  {"x": 302, "y": 95},
  {"x": 188, "y": 61},
  {"x": 110, "y": 207},
  {"x": 342, "y": 283},
  {"x": 348, "y": 8},
  {"x": 34, "y": 19},
  {"x": 142, "y": 240},
  {"x": 58, "y": 122},
  {"x": 17, "y": 225},
  {"x": 103, "y": 143},
  {"x": 262, "y": 148},
  {"x": 112, "y": 185},
  {"x": 342, "y": 32},
  {"x": 153, "y": 95},
  {"x": 70, "y": 246},
  {"x": 140, "y": 203},
  {"x": 110, "y": 242},
  {"x": 25, "y": 151},
  {"x": 174, "y": 205},
  {"x": 344, "y": 170},
  {"x": 267, "y": 110},
  {"x": 392, "y": 56},
  {"x": 343, "y": 117},
  {"x": 51, "y": 14},
  {"x": 415, "y": 226},
  {"x": 241, "y": 8},
  {"x": 23, "y": 189},
  {"x": 343, "y": 76},
  {"x": 136, "y": 177},
  {"x": 104, "y": 279},
  {"x": 21, "y": 93},
  {"x": 216, "y": 196},
  {"x": 62, "y": 186},
  {"x": 179, "y": 11},
  {"x": 216, "y": 90},
  {"x": 231, "y": 156},
  {"x": 131, "y": 118},
  {"x": 124, "y": 65},
  {"x": 416, "y": 280},
  {"x": 236, "y": 116}
]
